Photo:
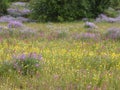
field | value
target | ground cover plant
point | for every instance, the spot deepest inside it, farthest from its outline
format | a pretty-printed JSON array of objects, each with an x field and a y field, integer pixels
[{"x": 72, "y": 57}]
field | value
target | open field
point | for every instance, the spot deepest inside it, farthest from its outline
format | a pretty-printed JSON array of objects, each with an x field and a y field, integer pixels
[{"x": 70, "y": 60}]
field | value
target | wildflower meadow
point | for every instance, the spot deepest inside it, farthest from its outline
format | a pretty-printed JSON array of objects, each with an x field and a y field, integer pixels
[
  {"x": 59, "y": 44},
  {"x": 59, "y": 56}
]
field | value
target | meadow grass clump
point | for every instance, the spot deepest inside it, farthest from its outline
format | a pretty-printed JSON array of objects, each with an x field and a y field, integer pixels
[
  {"x": 113, "y": 33},
  {"x": 59, "y": 34},
  {"x": 16, "y": 29},
  {"x": 99, "y": 63},
  {"x": 86, "y": 36},
  {"x": 23, "y": 64},
  {"x": 70, "y": 63},
  {"x": 6, "y": 68},
  {"x": 27, "y": 64}
]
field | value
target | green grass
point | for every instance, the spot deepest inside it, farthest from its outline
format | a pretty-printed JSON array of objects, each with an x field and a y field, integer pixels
[{"x": 69, "y": 63}]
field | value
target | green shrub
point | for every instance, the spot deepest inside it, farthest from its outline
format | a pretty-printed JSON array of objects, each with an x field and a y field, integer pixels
[
  {"x": 19, "y": 0},
  {"x": 3, "y": 6},
  {"x": 111, "y": 12},
  {"x": 96, "y": 7},
  {"x": 115, "y": 4},
  {"x": 66, "y": 10}
]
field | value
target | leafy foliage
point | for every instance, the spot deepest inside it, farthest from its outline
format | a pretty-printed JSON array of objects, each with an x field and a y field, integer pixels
[
  {"x": 66, "y": 10},
  {"x": 3, "y": 6},
  {"x": 19, "y": 0},
  {"x": 115, "y": 4}
]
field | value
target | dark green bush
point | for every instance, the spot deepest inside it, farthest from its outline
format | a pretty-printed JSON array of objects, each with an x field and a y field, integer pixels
[
  {"x": 3, "y": 6},
  {"x": 111, "y": 12},
  {"x": 115, "y": 4},
  {"x": 19, "y": 0},
  {"x": 66, "y": 10}
]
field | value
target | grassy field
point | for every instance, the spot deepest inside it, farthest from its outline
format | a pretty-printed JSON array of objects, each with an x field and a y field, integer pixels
[{"x": 70, "y": 61}]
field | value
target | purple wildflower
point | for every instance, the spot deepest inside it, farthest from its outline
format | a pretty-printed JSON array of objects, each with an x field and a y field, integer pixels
[
  {"x": 113, "y": 33},
  {"x": 34, "y": 55},
  {"x": 25, "y": 11},
  {"x": 86, "y": 36},
  {"x": 15, "y": 24},
  {"x": 30, "y": 55},
  {"x": 37, "y": 65},
  {"x": 39, "y": 57},
  {"x": 90, "y": 25},
  {"x": 102, "y": 18},
  {"x": 31, "y": 60},
  {"x": 15, "y": 65},
  {"x": 23, "y": 56}
]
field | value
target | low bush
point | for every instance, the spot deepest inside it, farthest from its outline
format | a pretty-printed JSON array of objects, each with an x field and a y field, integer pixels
[
  {"x": 3, "y": 7},
  {"x": 115, "y": 4},
  {"x": 66, "y": 10},
  {"x": 111, "y": 12},
  {"x": 19, "y": 0}
]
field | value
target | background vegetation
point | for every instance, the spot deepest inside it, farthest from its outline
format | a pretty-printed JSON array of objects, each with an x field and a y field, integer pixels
[
  {"x": 66, "y": 10},
  {"x": 3, "y": 6}
]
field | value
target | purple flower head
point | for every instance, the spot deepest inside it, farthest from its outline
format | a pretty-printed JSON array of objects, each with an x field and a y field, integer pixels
[
  {"x": 37, "y": 65},
  {"x": 34, "y": 55},
  {"x": 87, "y": 35},
  {"x": 29, "y": 60},
  {"x": 90, "y": 25},
  {"x": 105, "y": 18},
  {"x": 40, "y": 57},
  {"x": 15, "y": 65},
  {"x": 23, "y": 56},
  {"x": 102, "y": 16},
  {"x": 30, "y": 55},
  {"x": 15, "y": 24},
  {"x": 113, "y": 33},
  {"x": 26, "y": 11}
]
